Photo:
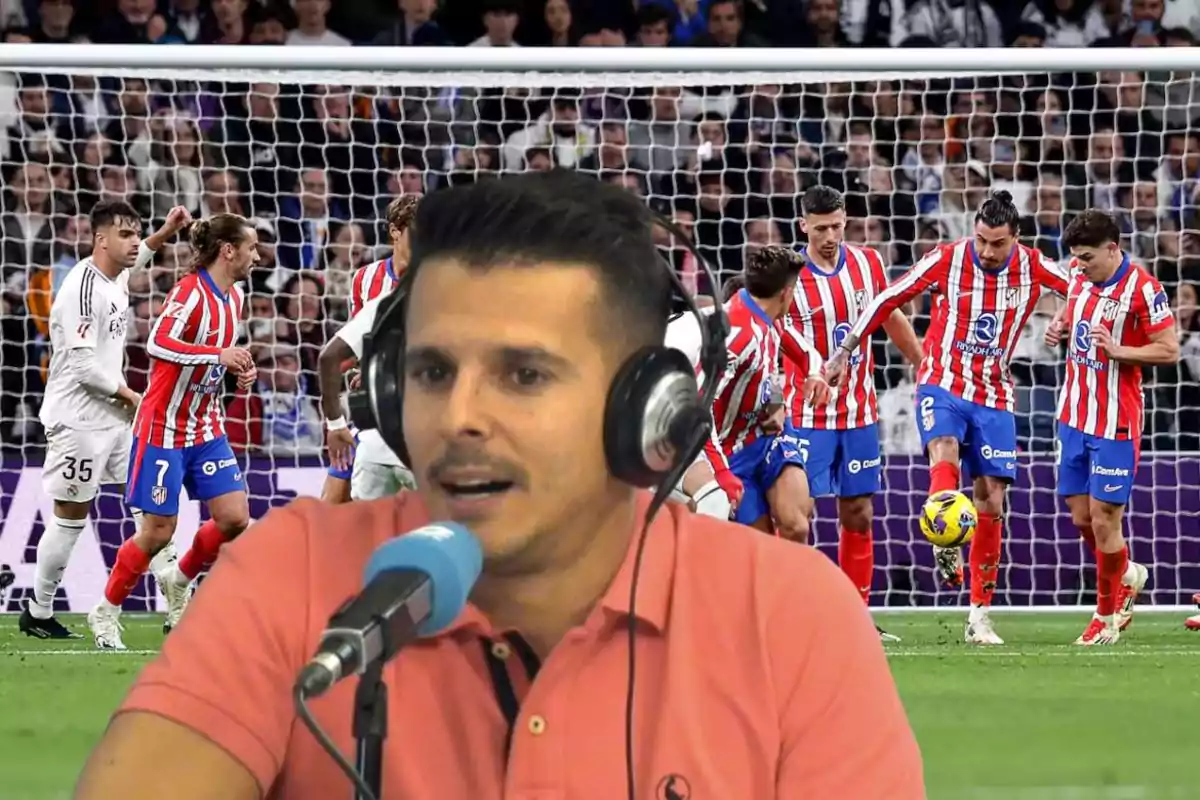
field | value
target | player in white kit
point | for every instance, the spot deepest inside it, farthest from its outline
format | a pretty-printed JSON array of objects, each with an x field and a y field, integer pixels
[
  {"x": 377, "y": 472},
  {"x": 88, "y": 409},
  {"x": 698, "y": 487}
]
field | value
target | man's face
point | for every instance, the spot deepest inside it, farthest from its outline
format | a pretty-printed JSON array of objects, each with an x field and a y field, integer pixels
[
  {"x": 993, "y": 245},
  {"x": 503, "y": 412},
  {"x": 724, "y": 24},
  {"x": 565, "y": 121},
  {"x": 654, "y": 35},
  {"x": 825, "y": 232},
  {"x": 500, "y": 26},
  {"x": 119, "y": 241},
  {"x": 243, "y": 256},
  {"x": 1098, "y": 263}
]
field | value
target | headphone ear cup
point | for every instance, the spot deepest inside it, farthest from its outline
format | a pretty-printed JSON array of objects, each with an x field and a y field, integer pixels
[
  {"x": 652, "y": 392},
  {"x": 388, "y": 397},
  {"x": 379, "y": 403}
]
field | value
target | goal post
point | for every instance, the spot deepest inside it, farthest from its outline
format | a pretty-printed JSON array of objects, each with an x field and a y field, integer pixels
[{"x": 312, "y": 143}]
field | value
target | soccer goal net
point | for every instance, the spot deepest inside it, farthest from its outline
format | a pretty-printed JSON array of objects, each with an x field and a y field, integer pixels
[{"x": 724, "y": 142}]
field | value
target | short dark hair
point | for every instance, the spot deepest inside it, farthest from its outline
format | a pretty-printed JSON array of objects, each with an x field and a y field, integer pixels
[
  {"x": 822, "y": 200},
  {"x": 1091, "y": 228},
  {"x": 106, "y": 212},
  {"x": 558, "y": 215},
  {"x": 998, "y": 211},
  {"x": 651, "y": 14},
  {"x": 770, "y": 269}
]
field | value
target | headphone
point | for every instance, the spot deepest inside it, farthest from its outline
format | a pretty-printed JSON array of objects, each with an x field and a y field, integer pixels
[{"x": 656, "y": 420}]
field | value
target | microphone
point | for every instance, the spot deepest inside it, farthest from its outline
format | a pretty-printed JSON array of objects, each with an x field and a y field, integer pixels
[{"x": 414, "y": 585}]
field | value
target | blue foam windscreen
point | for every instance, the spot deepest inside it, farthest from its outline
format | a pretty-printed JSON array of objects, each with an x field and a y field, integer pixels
[{"x": 448, "y": 553}]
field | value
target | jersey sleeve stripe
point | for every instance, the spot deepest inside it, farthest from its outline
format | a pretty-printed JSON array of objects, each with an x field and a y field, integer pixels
[{"x": 85, "y": 294}]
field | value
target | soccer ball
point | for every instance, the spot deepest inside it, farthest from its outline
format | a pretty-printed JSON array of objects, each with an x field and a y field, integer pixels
[{"x": 948, "y": 519}]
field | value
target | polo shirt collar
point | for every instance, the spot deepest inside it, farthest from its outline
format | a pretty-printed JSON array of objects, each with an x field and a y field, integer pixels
[{"x": 654, "y": 583}]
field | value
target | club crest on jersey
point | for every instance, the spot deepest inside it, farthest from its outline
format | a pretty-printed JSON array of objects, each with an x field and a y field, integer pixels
[
  {"x": 1160, "y": 308},
  {"x": 1111, "y": 309},
  {"x": 1012, "y": 296},
  {"x": 158, "y": 495},
  {"x": 860, "y": 299}
]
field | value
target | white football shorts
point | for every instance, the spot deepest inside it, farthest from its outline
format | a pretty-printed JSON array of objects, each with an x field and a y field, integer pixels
[
  {"x": 370, "y": 481},
  {"x": 78, "y": 462}
]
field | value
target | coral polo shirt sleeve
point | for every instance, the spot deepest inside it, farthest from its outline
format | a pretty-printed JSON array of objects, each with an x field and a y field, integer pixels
[
  {"x": 227, "y": 671},
  {"x": 844, "y": 732}
]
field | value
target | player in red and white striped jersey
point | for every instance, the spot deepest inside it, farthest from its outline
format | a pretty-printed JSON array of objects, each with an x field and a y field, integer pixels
[
  {"x": 754, "y": 454},
  {"x": 370, "y": 281},
  {"x": 841, "y": 437},
  {"x": 984, "y": 289},
  {"x": 179, "y": 436},
  {"x": 1117, "y": 319}
]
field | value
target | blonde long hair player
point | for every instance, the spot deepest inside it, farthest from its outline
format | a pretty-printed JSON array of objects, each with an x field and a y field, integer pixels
[{"x": 179, "y": 433}]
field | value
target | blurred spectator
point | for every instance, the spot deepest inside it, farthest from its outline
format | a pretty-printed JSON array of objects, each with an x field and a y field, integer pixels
[
  {"x": 136, "y": 22},
  {"x": 558, "y": 129},
  {"x": 276, "y": 416},
  {"x": 725, "y": 27},
  {"x": 1067, "y": 23},
  {"x": 414, "y": 26},
  {"x": 653, "y": 26},
  {"x": 311, "y": 26},
  {"x": 304, "y": 225},
  {"x": 954, "y": 23},
  {"x": 500, "y": 20}
]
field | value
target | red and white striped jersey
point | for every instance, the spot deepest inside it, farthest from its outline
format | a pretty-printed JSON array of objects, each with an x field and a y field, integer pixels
[
  {"x": 825, "y": 307},
  {"x": 182, "y": 406},
  {"x": 976, "y": 320},
  {"x": 750, "y": 381},
  {"x": 371, "y": 281},
  {"x": 1100, "y": 396}
]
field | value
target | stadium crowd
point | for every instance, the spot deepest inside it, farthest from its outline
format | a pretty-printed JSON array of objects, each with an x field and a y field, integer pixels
[{"x": 315, "y": 166}]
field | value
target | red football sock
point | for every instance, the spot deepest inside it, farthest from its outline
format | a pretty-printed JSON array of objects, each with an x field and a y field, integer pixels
[
  {"x": 1089, "y": 536},
  {"x": 132, "y": 563},
  {"x": 943, "y": 477},
  {"x": 1110, "y": 568},
  {"x": 203, "y": 551},
  {"x": 856, "y": 555},
  {"x": 985, "y": 559}
]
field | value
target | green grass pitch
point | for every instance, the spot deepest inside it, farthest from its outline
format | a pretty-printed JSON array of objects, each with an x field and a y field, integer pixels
[{"x": 1035, "y": 719}]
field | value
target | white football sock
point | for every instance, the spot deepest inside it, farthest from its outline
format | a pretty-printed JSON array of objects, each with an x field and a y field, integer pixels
[{"x": 53, "y": 552}]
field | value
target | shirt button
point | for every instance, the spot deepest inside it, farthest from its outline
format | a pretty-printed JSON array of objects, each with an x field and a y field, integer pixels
[
  {"x": 537, "y": 725},
  {"x": 501, "y": 650}
]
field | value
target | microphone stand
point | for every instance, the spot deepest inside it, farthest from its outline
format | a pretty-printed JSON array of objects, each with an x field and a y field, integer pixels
[{"x": 370, "y": 727}]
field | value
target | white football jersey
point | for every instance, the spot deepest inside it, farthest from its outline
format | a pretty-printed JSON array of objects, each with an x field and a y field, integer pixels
[
  {"x": 684, "y": 334},
  {"x": 371, "y": 447},
  {"x": 89, "y": 312}
]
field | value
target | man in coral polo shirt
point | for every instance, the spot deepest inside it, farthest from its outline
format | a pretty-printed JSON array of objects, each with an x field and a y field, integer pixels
[{"x": 758, "y": 673}]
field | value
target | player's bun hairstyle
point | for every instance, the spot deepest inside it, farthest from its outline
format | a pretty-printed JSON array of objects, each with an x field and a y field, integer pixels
[
  {"x": 1092, "y": 228},
  {"x": 401, "y": 210},
  {"x": 999, "y": 210},
  {"x": 770, "y": 269},
  {"x": 554, "y": 217},
  {"x": 822, "y": 200},
  {"x": 207, "y": 235},
  {"x": 106, "y": 212}
]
